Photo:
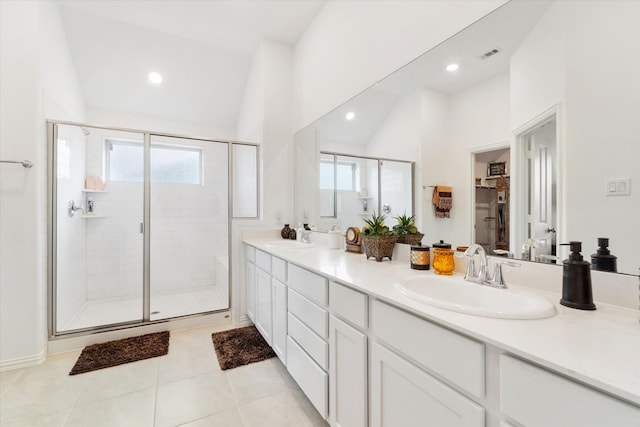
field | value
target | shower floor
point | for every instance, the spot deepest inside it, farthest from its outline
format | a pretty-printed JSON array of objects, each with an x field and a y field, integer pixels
[{"x": 109, "y": 311}]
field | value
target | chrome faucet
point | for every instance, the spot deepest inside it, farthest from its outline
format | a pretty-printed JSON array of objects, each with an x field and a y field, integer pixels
[
  {"x": 471, "y": 275},
  {"x": 481, "y": 276},
  {"x": 72, "y": 208},
  {"x": 498, "y": 279}
]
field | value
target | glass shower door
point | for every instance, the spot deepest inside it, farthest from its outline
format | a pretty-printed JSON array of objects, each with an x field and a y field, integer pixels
[
  {"x": 189, "y": 211},
  {"x": 396, "y": 188},
  {"x": 97, "y": 200}
]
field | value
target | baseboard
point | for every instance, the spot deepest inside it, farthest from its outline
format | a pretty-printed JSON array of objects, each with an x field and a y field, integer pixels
[{"x": 23, "y": 362}]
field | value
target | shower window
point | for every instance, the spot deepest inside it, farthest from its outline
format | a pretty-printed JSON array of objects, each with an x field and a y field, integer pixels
[
  {"x": 169, "y": 163},
  {"x": 345, "y": 176}
]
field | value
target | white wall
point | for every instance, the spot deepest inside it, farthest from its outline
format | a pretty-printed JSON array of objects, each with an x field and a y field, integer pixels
[
  {"x": 265, "y": 118},
  {"x": 352, "y": 44},
  {"x": 36, "y": 82},
  {"x": 148, "y": 123}
]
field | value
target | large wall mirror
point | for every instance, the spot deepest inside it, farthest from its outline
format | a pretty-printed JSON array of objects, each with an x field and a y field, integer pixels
[{"x": 536, "y": 131}]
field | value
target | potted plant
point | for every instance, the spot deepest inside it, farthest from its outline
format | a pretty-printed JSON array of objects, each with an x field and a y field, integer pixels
[
  {"x": 377, "y": 239},
  {"x": 406, "y": 230}
]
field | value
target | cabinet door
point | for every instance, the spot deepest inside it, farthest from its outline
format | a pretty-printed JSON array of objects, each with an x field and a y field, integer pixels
[
  {"x": 347, "y": 375},
  {"x": 533, "y": 397},
  {"x": 279, "y": 319},
  {"x": 404, "y": 395},
  {"x": 264, "y": 315},
  {"x": 251, "y": 291}
]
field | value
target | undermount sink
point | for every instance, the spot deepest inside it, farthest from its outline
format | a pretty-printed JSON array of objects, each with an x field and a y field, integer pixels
[
  {"x": 455, "y": 294},
  {"x": 290, "y": 244}
]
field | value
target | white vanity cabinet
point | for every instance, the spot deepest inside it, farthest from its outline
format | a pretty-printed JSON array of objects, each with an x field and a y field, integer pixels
[
  {"x": 308, "y": 334},
  {"x": 534, "y": 397},
  {"x": 348, "y": 398},
  {"x": 267, "y": 297},
  {"x": 279, "y": 343},
  {"x": 365, "y": 361},
  {"x": 264, "y": 302},
  {"x": 404, "y": 395},
  {"x": 412, "y": 361},
  {"x": 250, "y": 272}
]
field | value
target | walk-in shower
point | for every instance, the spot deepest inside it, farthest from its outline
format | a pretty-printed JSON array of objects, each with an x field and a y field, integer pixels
[{"x": 139, "y": 226}]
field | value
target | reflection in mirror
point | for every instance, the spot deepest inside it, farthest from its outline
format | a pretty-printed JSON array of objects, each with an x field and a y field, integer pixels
[
  {"x": 538, "y": 164},
  {"x": 490, "y": 227},
  {"x": 328, "y": 185},
  {"x": 516, "y": 65},
  {"x": 353, "y": 187}
]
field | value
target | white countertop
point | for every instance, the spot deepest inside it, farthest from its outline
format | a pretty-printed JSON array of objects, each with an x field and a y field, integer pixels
[{"x": 600, "y": 348}]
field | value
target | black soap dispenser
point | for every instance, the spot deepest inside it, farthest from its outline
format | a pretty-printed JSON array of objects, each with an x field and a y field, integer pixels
[
  {"x": 576, "y": 280},
  {"x": 603, "y": 260}
]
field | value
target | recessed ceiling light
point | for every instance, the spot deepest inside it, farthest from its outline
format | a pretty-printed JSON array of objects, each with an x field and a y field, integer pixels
[
  {"x": 452, "y": 67},
  {"x": 350, "y": 115},
  {"x": 155, "y": 78}
]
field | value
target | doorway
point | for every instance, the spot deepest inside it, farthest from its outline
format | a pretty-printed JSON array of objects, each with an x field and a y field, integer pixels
[
  {"x": 540, "y": 179},
  {"x": 492, "y": 194}
]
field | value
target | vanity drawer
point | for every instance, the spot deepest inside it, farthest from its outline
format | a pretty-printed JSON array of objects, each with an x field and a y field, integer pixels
[
  {"x": 349, "y": 304},
  {"x": 313, "y": 381},
  {"x": 309, "y": 284},
  {"x": 279, "y": 269},
  {"x": 454, "y": 357},
  {"x": 263, "y": 260},
  {"x": 315, "y": 346},
  {"x": 250, "y": 252},
  {"x": 533, "y": 396},
  {"x": 314, "y": 317}
]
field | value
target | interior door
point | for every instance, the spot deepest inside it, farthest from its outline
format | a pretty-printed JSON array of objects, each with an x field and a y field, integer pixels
[{"x": 542, "y": 191}]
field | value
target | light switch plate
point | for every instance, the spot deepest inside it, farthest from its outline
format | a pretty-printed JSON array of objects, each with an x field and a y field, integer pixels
[{"x": 617, "y": 187}]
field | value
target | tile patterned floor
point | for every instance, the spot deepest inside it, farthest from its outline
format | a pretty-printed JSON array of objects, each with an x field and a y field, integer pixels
[{"x": 184, "y": 388}]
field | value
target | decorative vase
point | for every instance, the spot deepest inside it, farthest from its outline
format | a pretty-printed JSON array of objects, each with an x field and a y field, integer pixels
[
  {"x": 411, "y": 239},
  {"x": 379, "y": 246},
  {"x": 285, "y": 231}
]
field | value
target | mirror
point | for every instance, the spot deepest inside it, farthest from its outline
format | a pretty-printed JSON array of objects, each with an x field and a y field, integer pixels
[{"x": 522, "y": 64}]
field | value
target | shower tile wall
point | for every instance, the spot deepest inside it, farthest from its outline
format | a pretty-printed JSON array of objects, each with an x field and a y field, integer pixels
[{"x": 188, "y": 231}]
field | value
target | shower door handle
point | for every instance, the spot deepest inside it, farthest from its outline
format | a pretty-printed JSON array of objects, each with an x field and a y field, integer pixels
[{"x": 142, "y": 228}]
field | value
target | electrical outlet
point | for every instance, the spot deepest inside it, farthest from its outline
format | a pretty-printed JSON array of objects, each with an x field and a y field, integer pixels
[{"x": 618, "y": 187}]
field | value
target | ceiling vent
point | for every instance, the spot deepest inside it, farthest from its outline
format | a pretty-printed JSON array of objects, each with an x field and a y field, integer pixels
[{"x": 490, "y": 53}]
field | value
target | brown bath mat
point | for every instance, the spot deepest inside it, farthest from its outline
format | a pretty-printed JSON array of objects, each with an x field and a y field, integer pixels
[
  {"x": 114, "y": 353},
  {"x": 240, "y": 346}
]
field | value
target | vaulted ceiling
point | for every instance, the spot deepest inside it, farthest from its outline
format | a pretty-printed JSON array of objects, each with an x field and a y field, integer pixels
[{"x": 202, "y": 48}]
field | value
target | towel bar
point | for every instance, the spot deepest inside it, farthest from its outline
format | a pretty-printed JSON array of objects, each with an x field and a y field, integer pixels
[{"x": 25, "y": 163}]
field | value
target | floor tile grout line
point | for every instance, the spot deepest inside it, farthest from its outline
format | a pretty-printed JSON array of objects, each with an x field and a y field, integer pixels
[
  {"x": 155, "y": 403},
  {"x": 235, "y": 397},
  {"x": 13, "y": 383}
]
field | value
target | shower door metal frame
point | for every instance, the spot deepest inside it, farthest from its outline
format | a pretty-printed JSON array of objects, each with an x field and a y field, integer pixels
[{"x": 52, "y": 136}]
